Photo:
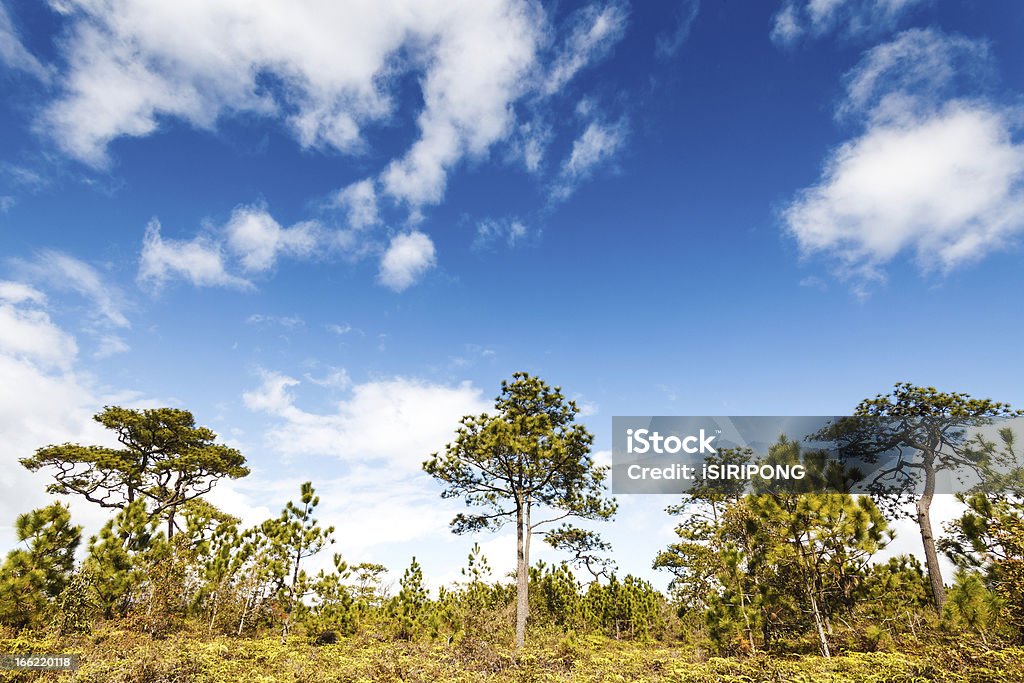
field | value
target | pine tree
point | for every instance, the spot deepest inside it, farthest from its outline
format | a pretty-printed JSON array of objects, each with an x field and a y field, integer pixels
[
  {"x": 971, "y": 604},
  {"x": 116, "y": 558},
  {"x": 409, "y": 609},
  {"x": 296, "y": 536},
  {"x": 530, "y": 459},
  {"x": 164, "y": 458},
  {"x": 31, "y": 577},
  {"x": 927, "y": 429},
  {"x": 827, "y": 537}
]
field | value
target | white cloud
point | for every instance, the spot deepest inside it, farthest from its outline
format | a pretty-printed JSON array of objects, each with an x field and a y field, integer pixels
[
  {"x": 339, "y": 330},
  {"x": 598, "y": 143},
  {"x": 43, "y": 400},
  {"x": 508, "y": 230},
  {"x": 949, "y": 186},
  {"x": 258, "y": 240},
  {"x": 816, "y": 18},
  {"x": 284, "y": 321},
  {"x": 943, "y": 180},
  {"x": 331, "y": 71},
  {"x": 595, "y": 29},
  {"x": 336, "y": 378},
  {"x": 916, "y": 71},
  {"x": 532, "y": 140},
  {"x": 407, "y": 258},
  {"x": 110, "y": 345},
  {"x": 14, "y": 54},
  {"x": 199, "y": 261},
  {"x": 19, "y": 292},
  {"x": 28, "y": 334},
  {"x": 360, "y": 201},
  {"x": 132, "y": 64},
  {"x": 668, "y": 44},
  {"x": 364, "y": 427},
  {"x": 481, "y": 59},
  {"x": 64, "y": 272}
]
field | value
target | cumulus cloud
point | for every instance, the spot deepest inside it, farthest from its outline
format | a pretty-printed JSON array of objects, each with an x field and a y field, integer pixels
[
  {"x": 131, "y": 64},
  {"x": 28, "y": 333},
  {"x": 797, "y": 19},
  {"x": 940, "y": 178},
  {"x": 329, "y": 70},
  {"x": 43, "y": 400},
  {"x": 406, "y": 259},
  {"x": 258, "y": 240},
  {"x": 360, "y": 202},
  {"x": 363, "y": 427},
  {"x": 200, "y": 261}
]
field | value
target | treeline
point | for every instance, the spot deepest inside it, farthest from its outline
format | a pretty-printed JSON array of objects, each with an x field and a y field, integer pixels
[
  {"x": 212, "y": 577},
  {"x": 781, "y": 570}
]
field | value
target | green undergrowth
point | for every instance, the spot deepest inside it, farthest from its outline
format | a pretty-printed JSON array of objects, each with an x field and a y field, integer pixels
[{"x": 123, "y": 656}]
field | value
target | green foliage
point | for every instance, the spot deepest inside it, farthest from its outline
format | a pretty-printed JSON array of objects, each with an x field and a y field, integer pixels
[
  {"x": 971, "y": 605},
  {"x": 585, "y": 547},
  {"x": 116, "y": 559},
  {"x": 75, "y": 609},
  {"x": 989, "y": 535},
  {"x": 410, "y": 608},
  {"x": 530, "y": 458},
  {"x": 771, "y": 565},
  {"x": 927, "y": 427},
  {"x": 626, "y": 609},
  {"x": 293, "y": 537},
  {"x": 336, "y": 608},
  {"x": 31, "y": 577},
  {"x": 710, "y": 513},
  {"x": 126, "y": 657},
  {"x": 164, "y": 459}
]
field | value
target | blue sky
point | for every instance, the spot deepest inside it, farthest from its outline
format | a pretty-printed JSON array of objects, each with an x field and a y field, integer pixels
[{"x": 331, "y": 229}]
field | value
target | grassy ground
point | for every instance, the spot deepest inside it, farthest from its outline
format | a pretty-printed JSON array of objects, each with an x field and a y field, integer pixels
[{"x": 117, "y": 656}]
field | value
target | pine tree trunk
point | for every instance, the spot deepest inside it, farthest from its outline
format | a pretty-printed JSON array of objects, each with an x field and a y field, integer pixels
[
  {"x": 820, "y": 627},
  {"x": 809, "y": 574},
  {"x": 245, "y": 608},
  {"x": 522, "y": 575},
  {"x": 213, "y": 614},
  {"x": 924, "y": 521}
]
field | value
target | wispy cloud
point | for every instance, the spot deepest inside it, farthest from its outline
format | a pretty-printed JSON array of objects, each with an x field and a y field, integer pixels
[
  {"x": 63, "y": 272},
  {"x": 598, "y": 143},
  {"x": 668, "y": 43},
  {"x": 799, "y": 19},
  {"x": 13, "y": 52},
  {"x": 27, "y": 331},
  {"x": 511, "y": 231},
  {"x": 595, "y": 29},
  {"x": 288, "y": 321}
]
